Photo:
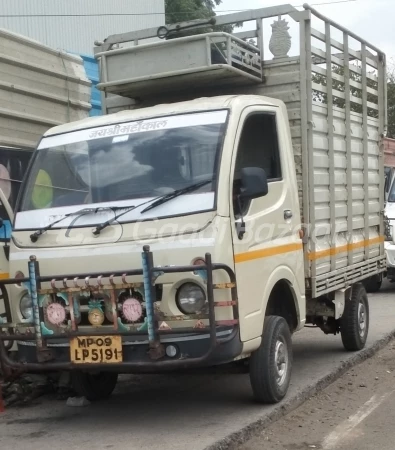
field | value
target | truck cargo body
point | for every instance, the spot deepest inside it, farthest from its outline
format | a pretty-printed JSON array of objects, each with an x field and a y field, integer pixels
[{"x": 39, "y": 89}]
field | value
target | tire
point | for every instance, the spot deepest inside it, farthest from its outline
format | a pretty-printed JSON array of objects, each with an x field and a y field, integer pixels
[
  {"x": 373, "y": 284},
  {"x": 5, "y": 314},
  {"x": 94, "y": 387},
  {"x": 271, "y": 363},
  {"x": 354, "y": 325}
]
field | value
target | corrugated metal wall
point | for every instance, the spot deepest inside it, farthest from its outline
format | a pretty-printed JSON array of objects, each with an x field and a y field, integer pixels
[{"x": 77, "y": 33}]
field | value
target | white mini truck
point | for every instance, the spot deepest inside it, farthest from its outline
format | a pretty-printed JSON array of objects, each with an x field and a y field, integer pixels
[{"x": 234, "y": 201}]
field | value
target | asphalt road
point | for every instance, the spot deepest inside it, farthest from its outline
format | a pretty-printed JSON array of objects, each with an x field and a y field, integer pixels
[
  {"x": 177, "y": 412},
  {"x": 356, "y": 412}
]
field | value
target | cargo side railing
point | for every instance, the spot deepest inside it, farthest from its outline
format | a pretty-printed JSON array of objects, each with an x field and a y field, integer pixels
[
  {"x": 348, "y": 75},
  {"x": 69, "y": 287}
]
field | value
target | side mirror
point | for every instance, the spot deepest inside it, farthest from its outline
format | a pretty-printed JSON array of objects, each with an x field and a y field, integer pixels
[{"x": 253, "y": 183}]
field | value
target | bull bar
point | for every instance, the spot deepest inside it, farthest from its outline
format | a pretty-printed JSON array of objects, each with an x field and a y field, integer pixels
[{"x": 150, "y": 273}]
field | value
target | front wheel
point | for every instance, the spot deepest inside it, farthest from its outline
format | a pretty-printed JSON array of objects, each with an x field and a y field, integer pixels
[
  {"x": 354, "y": 325},
  {"x": 94, "y": 386},
  {"x": 271, "y": 363}
]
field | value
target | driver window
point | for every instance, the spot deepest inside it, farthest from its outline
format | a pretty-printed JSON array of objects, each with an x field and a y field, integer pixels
[{"x": 258, "y": 147}]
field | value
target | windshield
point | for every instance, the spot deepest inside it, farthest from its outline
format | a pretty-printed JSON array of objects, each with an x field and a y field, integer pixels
[{"x": 128, "y": 162}]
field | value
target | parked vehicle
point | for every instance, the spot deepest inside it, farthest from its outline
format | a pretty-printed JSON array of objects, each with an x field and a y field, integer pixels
[
  {"x": 39, "y": 89},
  {"x": 230, "y": 206},
  {"x": 389, "y": 211}
]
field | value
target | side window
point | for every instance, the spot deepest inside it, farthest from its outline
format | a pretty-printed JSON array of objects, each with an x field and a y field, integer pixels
[{"x": 258, "y": 147}]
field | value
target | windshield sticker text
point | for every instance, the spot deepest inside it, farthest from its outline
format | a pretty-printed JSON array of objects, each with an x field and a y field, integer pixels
[{"x": 136, "y": 127}]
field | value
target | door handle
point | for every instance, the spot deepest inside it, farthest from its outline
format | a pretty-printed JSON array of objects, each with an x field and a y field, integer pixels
[{"x": 287, "y": 214}]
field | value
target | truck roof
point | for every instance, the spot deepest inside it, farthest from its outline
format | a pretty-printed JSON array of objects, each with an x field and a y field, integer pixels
[{"x": 200, "y": 104}]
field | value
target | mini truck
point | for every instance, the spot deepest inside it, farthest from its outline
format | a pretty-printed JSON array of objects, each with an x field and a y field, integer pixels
[{"x": 227, "y": 201}]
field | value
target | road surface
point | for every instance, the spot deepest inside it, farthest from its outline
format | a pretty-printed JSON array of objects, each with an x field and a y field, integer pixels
[
  {"x": 354, "y": 413},
  {"x": 177, "y": 412}
]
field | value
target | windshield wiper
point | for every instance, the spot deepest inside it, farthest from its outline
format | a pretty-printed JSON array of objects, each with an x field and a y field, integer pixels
[
  {"x": 155, "y": 202},
  {"x": 96, "y": 231},
  {"x": 167, "y": 197},
  {"x": 34, "y": 236}
]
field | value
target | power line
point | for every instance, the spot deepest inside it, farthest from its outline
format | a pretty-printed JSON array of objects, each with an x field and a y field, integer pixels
[
  {"x": 328, "y": 3},
  {"x": 10, "y": 16}
]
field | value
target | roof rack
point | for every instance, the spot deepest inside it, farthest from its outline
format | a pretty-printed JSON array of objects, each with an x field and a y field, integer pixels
[{"x": 175, "y": 62}]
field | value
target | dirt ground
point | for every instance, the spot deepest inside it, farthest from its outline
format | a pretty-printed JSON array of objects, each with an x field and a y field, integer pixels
[{"x": 356, "y": 412}]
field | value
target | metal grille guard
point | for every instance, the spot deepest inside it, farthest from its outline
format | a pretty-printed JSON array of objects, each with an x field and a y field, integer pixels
[{"x": 156, "y": 350}]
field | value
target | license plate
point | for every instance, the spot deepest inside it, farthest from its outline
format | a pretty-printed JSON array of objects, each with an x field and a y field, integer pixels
[{"x": 96, "y": 349}]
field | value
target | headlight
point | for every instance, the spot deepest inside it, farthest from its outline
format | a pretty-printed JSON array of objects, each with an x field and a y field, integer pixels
[
  {"x": 190, "y": 298},
  {"x": 388, "y": 232},
  {"x": 388, "y": 229},
  {"x": 26, "y": 307}
]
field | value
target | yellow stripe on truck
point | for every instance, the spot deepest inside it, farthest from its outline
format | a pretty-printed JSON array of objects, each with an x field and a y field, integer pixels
[
  {"x": 266, "y": 252},
  {"x": 4, "y": 276},
  {"x": 312, "y": 256},
  {"x": 344, "y": 248}
]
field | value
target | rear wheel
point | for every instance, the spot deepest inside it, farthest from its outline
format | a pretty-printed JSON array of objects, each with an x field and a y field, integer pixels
[
  {"x": 354, "y": 325},
  {"x": 94, "y": 386},
  {"x": 271, "y": 363}
]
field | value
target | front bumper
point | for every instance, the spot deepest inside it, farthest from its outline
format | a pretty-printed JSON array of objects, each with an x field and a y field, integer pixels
[
  {"x": 216, "y": 342},
  {"x": 194, "y": 350}
]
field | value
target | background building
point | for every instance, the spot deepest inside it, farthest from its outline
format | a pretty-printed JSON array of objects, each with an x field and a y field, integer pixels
[{"x": 74, "y": 25}]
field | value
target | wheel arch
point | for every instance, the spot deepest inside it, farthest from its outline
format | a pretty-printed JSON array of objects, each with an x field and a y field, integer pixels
[{"x": 282, "y": 298}]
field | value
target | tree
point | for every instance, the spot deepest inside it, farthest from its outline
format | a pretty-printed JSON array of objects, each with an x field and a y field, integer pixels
[
  {"x": 391, "y": 102},
  {"x": 339, "y": 86},
  {"x": 182, "y": 10}
]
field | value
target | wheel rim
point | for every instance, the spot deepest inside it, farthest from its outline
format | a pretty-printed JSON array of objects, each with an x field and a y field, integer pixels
[
  {"x": 281, "y": 361},
  {"x": 361, "y": 319}
]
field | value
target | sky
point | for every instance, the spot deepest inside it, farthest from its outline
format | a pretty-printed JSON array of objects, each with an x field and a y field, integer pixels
[{"x": 373, "y": 20}]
